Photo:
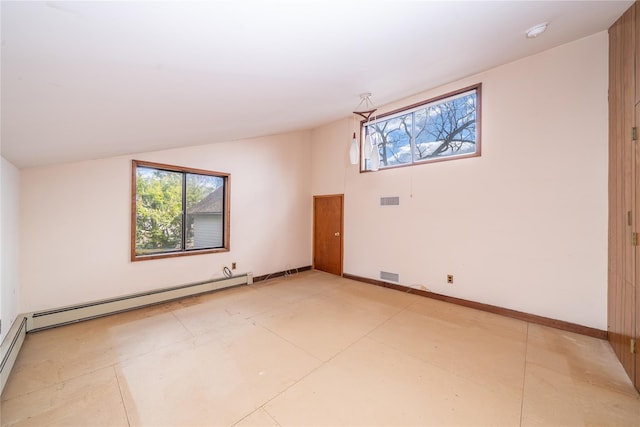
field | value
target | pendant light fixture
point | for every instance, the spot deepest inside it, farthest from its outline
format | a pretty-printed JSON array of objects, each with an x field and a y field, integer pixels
[
  {"x": 367, "y": 145},
  {"x": 354, "y": 151},
  {"x": 364, "y": 109},
  {"x": 374, "y": 163}
]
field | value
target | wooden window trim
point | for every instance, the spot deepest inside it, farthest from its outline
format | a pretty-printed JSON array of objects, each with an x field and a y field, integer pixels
[
  {"x": 172, "y": 168},
  {"x": 477, "y": 87}
]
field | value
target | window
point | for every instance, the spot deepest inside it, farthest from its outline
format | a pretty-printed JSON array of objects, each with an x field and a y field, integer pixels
[
  {"x": 438, "y": 129},
  {"x": 178, "y": 211}
]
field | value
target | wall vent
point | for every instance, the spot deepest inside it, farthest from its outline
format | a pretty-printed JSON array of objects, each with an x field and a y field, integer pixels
[
  {"x": 392, "y": 277},
  {"x": 389, "y": 201}
]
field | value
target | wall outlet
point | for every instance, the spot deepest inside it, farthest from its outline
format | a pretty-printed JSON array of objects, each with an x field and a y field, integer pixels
[
  {"x": 233, "y": 265},
  {"x": 450, "y": 278}
]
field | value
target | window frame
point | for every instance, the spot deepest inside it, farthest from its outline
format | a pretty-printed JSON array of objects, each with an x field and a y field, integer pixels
[
  {"x": 413, "y": 107},
  {"x": 226, "y": 230}
]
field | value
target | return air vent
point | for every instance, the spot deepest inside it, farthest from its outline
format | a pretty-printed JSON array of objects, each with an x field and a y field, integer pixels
[
  {"x": 392, "y": 277},
  {"x": 389, "y": 201}
]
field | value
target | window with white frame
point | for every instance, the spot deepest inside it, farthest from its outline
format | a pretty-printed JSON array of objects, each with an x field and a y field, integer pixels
[{"x": 443, "y": 128}]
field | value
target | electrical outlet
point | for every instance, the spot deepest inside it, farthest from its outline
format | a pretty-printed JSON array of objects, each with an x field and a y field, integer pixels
[
  {"x": 450, "y": 278},
  {"x": 233, "y": 265}
]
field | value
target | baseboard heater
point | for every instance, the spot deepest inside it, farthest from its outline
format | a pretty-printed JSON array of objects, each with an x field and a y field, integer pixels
[
  {"x": 31, "y": 322},
  {"x": 71, "y": 314},
  {"x": 10, "y": 348}
]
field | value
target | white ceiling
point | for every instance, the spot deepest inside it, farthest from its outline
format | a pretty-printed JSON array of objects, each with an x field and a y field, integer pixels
[{"x": 86, "y": 80}]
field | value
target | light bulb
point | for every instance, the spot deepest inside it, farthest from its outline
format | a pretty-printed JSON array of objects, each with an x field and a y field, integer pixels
[
  {"x": 354, "y": 151},
  {"x": 375, "y": 157},
  {"x": 367, "y": 146}
]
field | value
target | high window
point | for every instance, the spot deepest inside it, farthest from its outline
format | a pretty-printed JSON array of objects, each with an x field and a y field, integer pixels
[
  {"x": 443, "y": 128},
  {"x": 178, "y": 211}
]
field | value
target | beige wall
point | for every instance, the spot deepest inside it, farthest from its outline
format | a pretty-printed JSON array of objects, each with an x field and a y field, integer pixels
[
  {"x": 9, "y": 223},
  {"x": 75, "y": 221},
  {"x": 524, "y": 226}
]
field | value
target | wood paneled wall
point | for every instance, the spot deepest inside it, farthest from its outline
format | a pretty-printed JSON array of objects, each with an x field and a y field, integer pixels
[{"x": 624, "y": 203}]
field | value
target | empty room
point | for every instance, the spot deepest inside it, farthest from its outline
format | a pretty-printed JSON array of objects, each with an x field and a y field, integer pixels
[{"x": 320, "y": 213}]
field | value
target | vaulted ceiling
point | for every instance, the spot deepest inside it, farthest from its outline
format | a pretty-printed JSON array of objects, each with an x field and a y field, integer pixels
[{"x": 86, "y": 80}]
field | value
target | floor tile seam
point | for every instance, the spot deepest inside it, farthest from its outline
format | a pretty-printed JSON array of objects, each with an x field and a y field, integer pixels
[
  {"x": 253, "y": 316},
  {"x": 188, "y": 340},
  {"x": 263, "y": 289},
  {"x": 488, "y": 336},
  {"x": 253, "y": 412},
  {"x": 362, "y": 337},
  {"x": 576, "y": 351},
  {"x": 124, "y": 406},
  {"x": 373, "y": 329},
  {"x": 143, "y": 328},
  {"x": 193, "y": 335},
  {"x": 16, "y": 422},
  {"x": 295, "y": 381},
  {"x": 270, "y": 415},
  {"x": 283, "y": 308},
  {"x": 328, "y": 288},
  {"x": 270, "y": 310},
  {"x": 322, "y": 364},
  {"x": 285, "y": 389},
  {"x": 298, "y": 301},
  {"x": 480, "y": 384},
  {"x": 387, "y": 320},
  {"x": 115, "y": 376},
  {"x": 239, "y": 314},
  {"x": 631, "y": 392},
  {"x": 110, "y": 364},
  {"x": 266, "y": 328},
  {"x": 365, "y": 334},
  {"x": 484, "y": 325},
  {"x": 399, "y": 309},
  {"x": 382, "y": 323},
  {"x": 62, "y": 381}
]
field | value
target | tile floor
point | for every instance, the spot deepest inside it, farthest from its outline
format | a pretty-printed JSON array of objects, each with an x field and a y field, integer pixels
[{"x": 315, "y": 349}]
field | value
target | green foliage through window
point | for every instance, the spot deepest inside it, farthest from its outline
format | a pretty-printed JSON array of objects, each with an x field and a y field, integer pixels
[{"x": 178, "y": 211}]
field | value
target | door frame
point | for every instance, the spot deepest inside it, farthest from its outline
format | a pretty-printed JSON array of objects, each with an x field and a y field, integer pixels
[{"x": 313, "y": 231}]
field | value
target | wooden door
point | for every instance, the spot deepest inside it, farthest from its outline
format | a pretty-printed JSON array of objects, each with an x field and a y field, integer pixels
[
  {"x": 633, "y": 311},
  {"x": 327, "y": 233},
  {"x": 636, "y": 310},
  {"x": 624, "y": 200}
]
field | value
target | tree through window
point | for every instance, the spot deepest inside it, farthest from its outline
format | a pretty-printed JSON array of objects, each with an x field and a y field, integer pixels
[
  {"x": 438, "y": 129},
  {"x": 178, "y": 211}
]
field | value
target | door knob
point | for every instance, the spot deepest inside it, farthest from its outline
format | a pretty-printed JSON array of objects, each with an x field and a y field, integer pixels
[{"x": 337, "y": 234}]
